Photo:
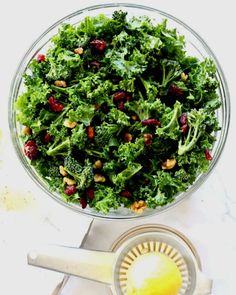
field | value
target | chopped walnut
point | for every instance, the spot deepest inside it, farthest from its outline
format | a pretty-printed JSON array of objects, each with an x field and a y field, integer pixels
[
  {"x": 69, "y": 181},
  {"x": 134, "y": 117},
  {"x": 62, "y": 170},
  {"x": 60, "y": 83},
  {"x": 26, "y": 130},
  {"x": 184, "y": 77},
  {"x": 99, "y": 178},
  {"x": 97, "y": 164},
  {"x": 79, "y": 50},
  {"x": 138, "y": 206},
  {"x": 168, "y": 164},
  {"x": 69, "y": 124}
]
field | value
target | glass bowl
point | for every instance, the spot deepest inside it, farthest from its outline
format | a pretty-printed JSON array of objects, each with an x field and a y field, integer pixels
[{"x": 195, "y": 46}]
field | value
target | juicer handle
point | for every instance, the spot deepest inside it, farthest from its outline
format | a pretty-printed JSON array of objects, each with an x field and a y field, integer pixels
[
  {"x": 203, "y": 284},
  {"x": 94, "y": 265}
]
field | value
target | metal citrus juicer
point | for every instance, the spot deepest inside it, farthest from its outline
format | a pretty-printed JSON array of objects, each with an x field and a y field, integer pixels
[{"x": 112, "y": 267}]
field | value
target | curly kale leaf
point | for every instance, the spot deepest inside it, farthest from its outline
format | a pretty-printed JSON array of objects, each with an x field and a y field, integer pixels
[
  {"x": 196, "y": 128},
  {"x": 128, "y": 152},
  {"x": 145, "y": 109},
  {"x": 84, "y": 113},
  {"x": 72, "y": 166},
  {"x": 156, "y": 200},
  {"x": 62, "y": 62},
  {"x": 173, "y": 43},
  {"x": 105, "y": 198},
  {"x": 79, "y": 136},
  {"x": 121, "y": 178},
  {"x": 32, "y": 100},
  {"x": 169, "y": 122},
  {"x": 70, "y": 38},
  {"x": 49, "y": 170},
  {"x": 169, "y": 185},
  {"x": 170, "y": 70},
  {"x": 60, "y": 149},
  {"x": 119, "y": 117},
  {"x": 150, "y": 88},
  {"x": 203, "y": 85},
  {"x": 105, "y": 132},
  {"x": 127, "y": 65},
  {"x": 82, "y": 174}
]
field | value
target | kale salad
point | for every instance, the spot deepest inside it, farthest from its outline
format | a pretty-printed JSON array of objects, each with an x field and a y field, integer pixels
[{"x": 116, "y": 113}]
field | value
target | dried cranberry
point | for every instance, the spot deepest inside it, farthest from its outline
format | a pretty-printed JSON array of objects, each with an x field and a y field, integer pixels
[
  {"x": 184, "y": 129},
  {"x": 151, "y": 122},
  {"x": 183, "y": 119},
  {"x": 95, "y": 64},
  {"x": 55, "y": 106},
  {"x": 175, "y": 91},
  {"x": 148, "y": 138},
  {"x": 47, "y": 138},
  {"x": 90, "y": 132},
  {"x": 126, "y": 194},
  {"x": 83, "y": 202},
  {"x": 90, "y": 193},
  {"x": 128, "y": 97},
  {"x": 31, "y": 149},
  {"x": 99, "y": 45},
  {"x": 41, "y": 58},
  {"x": 121, "y": 106},
  {"x": 70, "y": 190},
  {"x": 119, "y": 95},
  {"x": 208, "y": 156}
]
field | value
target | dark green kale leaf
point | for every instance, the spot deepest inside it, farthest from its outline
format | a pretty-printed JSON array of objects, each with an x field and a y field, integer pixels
[
  {"x": 170, "y": 70},
  {"x": 128, "y": 152},
  {"x": 169, "y": 122},
  {"x": 82, "y": 174},
  {"x": 105, "y": 198},
  {"x": 79, "y": 136},
  {"x": 146, "y": 109},
  {"x": 84, "y": 113},
  {"x": 127, "y": 65},
  {"x": 62, "y": 63},
  {"x": 196, "y": 128},
  {"x": 121, "y": 178},
  {"x": 119, "y": 117}
]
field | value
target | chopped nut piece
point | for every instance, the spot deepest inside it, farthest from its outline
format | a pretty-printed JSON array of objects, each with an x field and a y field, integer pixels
[
  {"x": 169, "y": 164},
  {"x": 97, "y": 164},
  {"x": 27, "y": 130},
  {"x": 69, "y": 181},
  {"x": 62, "y": 171},
  {"x": 138, "y": 206},
  {"x": 127, "y": 137},
  {"x": 134, "y": 117},
  {"x": 148, "y": 138},
  {"x": 69, "y": 124},
  {"x": 184, "y": 77},
  {"x": 99, "y": 178},
  {"x": 60, "y": 83},
  {"x": 79, "y": 50}
]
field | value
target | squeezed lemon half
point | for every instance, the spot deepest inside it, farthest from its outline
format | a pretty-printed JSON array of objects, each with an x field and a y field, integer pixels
[{"x": 153, "y": 274}]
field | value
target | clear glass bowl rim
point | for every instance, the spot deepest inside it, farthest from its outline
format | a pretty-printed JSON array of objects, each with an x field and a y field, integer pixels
[{"x": 16, "y": 82}]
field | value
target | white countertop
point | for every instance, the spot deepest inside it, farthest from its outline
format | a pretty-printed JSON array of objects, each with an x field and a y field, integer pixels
[{"x": 28, "y": 217}]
